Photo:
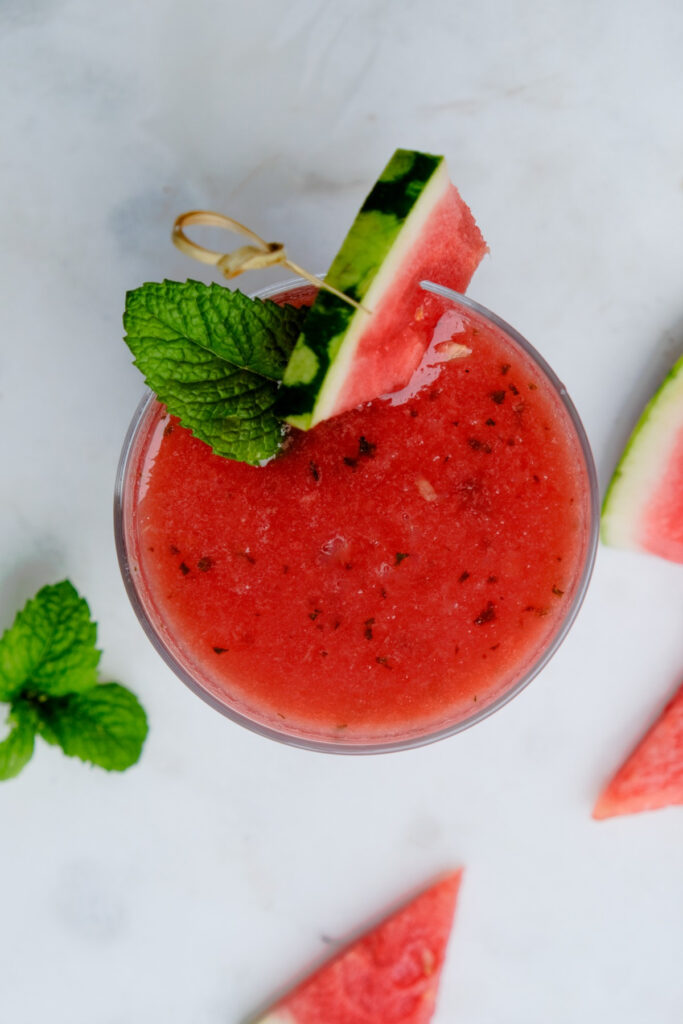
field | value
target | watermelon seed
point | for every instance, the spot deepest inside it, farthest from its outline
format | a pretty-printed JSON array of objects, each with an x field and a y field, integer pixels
[
  {"x": 366, "y": 448},
  {"x": 487, "y": 615}
]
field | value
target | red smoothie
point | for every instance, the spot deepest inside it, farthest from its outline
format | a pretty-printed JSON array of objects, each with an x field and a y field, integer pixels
[{"x": 393, "y": 571}]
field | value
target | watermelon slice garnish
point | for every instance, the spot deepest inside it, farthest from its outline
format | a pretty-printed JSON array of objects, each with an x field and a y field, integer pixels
[
  {"x": 652, "y": 777},
  {"x": 643, "y": 507},
  {"x": 413, "y": 225},
  {"x": 388, "y": 976}
]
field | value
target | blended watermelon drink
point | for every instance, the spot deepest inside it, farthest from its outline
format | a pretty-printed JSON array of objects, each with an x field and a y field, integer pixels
[
  {"x": 397, "y": 571},
  {"x": 393, "y": 573}
]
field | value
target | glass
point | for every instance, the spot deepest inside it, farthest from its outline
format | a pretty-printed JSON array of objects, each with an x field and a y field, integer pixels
[{"x": 142, "y": 429}]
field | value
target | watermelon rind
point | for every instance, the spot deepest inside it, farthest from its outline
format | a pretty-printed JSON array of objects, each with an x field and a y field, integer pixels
[
  {"x": 644, "y": 462},
  {"x": 386, "y": 227}
]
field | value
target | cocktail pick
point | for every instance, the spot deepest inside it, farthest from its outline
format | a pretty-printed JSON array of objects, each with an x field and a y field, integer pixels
[{"x": 256, "y": 256}]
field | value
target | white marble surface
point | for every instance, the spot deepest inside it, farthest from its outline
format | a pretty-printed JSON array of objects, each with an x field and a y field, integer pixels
[{"x": 195, "y": 885}]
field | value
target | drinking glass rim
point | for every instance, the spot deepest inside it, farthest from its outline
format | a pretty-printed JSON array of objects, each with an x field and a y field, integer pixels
[{"x": 390, "y": 745}]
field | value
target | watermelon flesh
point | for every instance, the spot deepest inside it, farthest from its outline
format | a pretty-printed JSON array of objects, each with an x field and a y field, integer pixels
[
  {"x": 413, "y": 225},
  {"x": 652, "y": 777},
  {"x": 643, "y": 507},
  {"x": 388, "y": 976}
]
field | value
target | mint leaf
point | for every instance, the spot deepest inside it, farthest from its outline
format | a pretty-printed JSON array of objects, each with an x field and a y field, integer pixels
[
  {"x": 214, "y": 357},
  {"x": 17, "y": 749},
  {"x": 51, "y": 646},
  {"x": 105, "y": 726}
]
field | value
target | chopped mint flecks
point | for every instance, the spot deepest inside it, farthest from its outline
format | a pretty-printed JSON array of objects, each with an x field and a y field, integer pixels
[{"x": 214, "y": 357}]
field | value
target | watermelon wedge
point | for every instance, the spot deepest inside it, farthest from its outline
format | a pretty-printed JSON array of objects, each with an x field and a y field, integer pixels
[
  {"x": 643, "y": 507},
  {"x": 652, "y": 777},
  {"x": 413, "y": 225},
  {"x": 389, "y": 976}
]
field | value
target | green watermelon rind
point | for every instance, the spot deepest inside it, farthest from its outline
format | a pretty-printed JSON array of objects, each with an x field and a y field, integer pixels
[
  {"x": 643, "y": 463},
  {"x": 365, "y": 266}
]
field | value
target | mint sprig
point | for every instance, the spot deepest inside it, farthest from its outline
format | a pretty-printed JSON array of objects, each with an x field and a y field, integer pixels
[
  {"x": 48, "y": 676},
  {"x": 214, "y": 357}
]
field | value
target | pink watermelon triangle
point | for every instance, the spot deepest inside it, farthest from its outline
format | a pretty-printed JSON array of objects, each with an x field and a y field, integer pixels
[
  {"x": 652, "y": 776},
  {"x": 391, "y": 974}
]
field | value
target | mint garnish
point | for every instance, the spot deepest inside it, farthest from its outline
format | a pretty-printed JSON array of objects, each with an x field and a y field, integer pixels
[
  {"x": 48, "y": 676},
  {"x": 215, "y": 358}
]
